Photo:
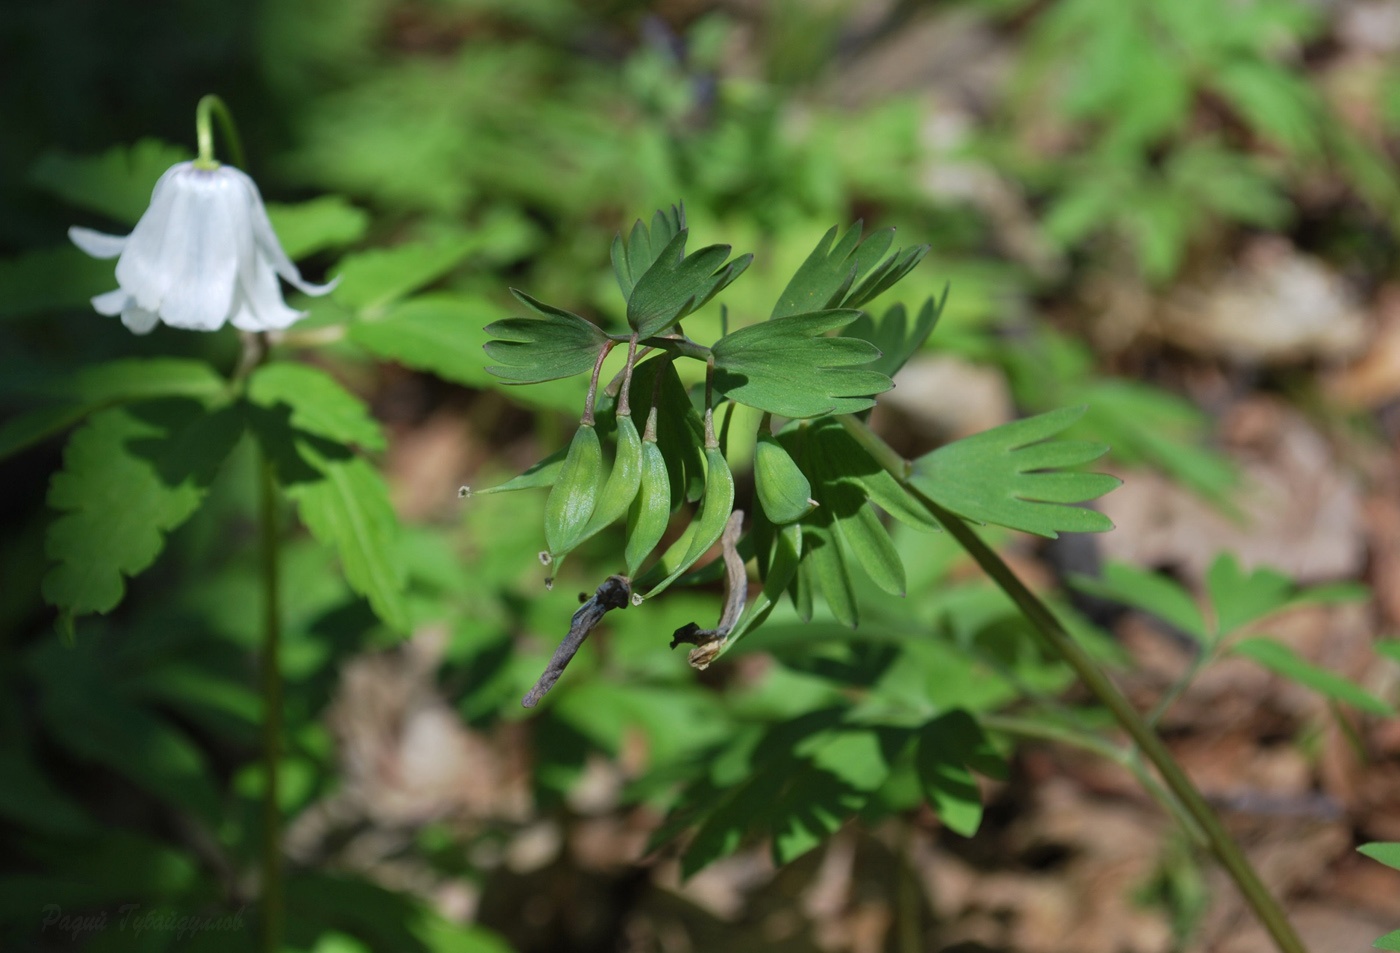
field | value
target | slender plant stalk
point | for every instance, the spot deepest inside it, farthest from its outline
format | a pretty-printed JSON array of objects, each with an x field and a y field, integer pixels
[
  {"x": 271, "y": 676},
  {"x": 255, "y": 353},
  {"x": 1048, "y": 626}
]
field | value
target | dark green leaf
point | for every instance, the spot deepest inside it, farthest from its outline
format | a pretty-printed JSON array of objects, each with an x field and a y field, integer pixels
[
  {"x": 1281, "y": 660},
  {"x": 677, "y": 284},
  {"x": 53, "y": 279},
  {"x": 896, "y": 341},
  {"x": 826, "y": 278},
  {"x": 631, "y": 257},
  {"x": 786, "y": 366},
  {"x": 1001, "y": 476},
  {"x": 948, "y": 746},
  {"x": 554, "y": 345},
  {"x": 130, "y": 476}
]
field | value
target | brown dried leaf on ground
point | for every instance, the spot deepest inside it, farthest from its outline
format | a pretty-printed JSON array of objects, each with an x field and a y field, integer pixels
[
  {"x": 1278, "y": 307},
  {"x": 1374, "y": 378},
  {"x": 1302, "y": 510}
]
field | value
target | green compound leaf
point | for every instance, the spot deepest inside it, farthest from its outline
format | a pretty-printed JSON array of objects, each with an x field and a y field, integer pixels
[
  {"x": 319, "y": 405},
  {"x": 1242, "y": 597},
  {"x": 1006, "y": 476},
  {"x": 129, "y": 476},
  {"x": 1281, "y": 660},
  {"x": 117, "y": 183},
  {"x": 786, "y": 366},
  {"x": 346, "y": 506},
  {"x": 896, "y": 340},
  {"x": 677, "y": 284},
  {"x": 102, "y": 385},
  {"x": 554, "y": 345},
  {"x": 948, "y": 747},
  {"x": 631, "y": 257},
  {"x": 826, "y": 278}
]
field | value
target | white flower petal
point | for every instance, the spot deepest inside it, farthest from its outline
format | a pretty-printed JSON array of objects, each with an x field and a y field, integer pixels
[
  {"x": 112, "y": 303},
  {"x": 271, "y": 248},
  {"x": 258, "y": 304},
  {"x": 97, "y": 244},
  {"x": 146, "y": 266},
  {"x": 200, "y": 295},
  {"x": 139, "y": 320}
]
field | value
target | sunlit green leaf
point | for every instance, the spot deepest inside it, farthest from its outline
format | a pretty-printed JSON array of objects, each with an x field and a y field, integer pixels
[
  {"x": 1281, "y": 660},
  {"x": 1010, "y": 475},
  {"x": 319, "y": 404},
  {"x": 346, "y": 506}
]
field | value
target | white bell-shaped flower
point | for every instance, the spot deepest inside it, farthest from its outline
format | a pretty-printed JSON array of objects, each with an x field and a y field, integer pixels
[{"x": 203, "y": 254}]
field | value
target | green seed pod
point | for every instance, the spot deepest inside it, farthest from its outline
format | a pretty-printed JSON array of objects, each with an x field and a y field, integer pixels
[
  {"x": 783, "y": 491},
  {"x": 575, "y": 494},
  {"x": 626, "y": 477},
  {"x": 715, "y": 507},
  {"x": 651, "y": 510}
]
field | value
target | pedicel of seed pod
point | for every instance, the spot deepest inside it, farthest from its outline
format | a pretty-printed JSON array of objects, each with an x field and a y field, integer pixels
[
  {"x": 783, "y": 490},
  {"x": 715, "y": 507},
  {"x": 575, "y": 494},
  {"x": 651, "y": 509}
]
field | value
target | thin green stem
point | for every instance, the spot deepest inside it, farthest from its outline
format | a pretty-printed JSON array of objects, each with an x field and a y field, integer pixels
[
  {"x": 209, "y": 107},
  {"x": 1058, "y": 638},
  {"x": 271, "y": 677}
]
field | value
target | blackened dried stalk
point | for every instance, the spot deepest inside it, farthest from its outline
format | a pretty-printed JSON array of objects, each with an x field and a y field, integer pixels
[
  {"x": 708, "y": 642},
  {"x": 614, "y": 593}
]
